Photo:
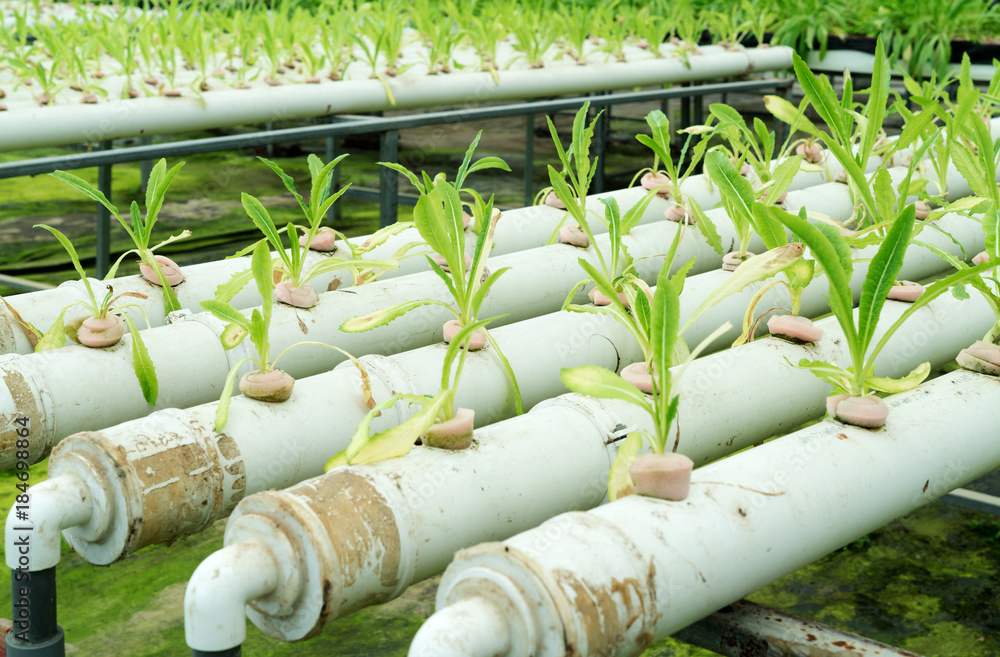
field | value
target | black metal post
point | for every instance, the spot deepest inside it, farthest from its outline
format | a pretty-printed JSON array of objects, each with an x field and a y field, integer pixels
[
  {"x": 269, "y": 126},
  {"x": 103, "y": 263},
  {"x": 529, "y": 159},
  {"x": 35, "y": 632},
  {"x": 146, "y": 166},
  {"x": 699, "y": 110},
  {"x": 388, "y": 206},
  {"x": 602, "y": 134},
  {"x": 685, "y": 111},
  {"x": 332, "y": 147}
]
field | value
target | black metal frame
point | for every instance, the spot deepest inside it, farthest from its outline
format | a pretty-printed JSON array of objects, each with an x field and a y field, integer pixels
[{"x": 388, "y": 129}]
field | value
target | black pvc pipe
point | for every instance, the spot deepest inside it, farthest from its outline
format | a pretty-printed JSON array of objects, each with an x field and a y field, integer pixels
[
  {"x": 33, "y": 600},
  {"x": 231, "y": 652}
]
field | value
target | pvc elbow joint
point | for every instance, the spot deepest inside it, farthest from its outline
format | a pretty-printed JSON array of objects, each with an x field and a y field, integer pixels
[
  {"x": 32, "y": 532},
  {"x": 218, "y": 592}
]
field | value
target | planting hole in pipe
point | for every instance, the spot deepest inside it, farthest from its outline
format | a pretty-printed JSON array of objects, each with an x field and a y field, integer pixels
[
  {"x": 982, "y": 357},
  {"x": 599, "y": 299},
  {"x": 553, "y": 201},
  {"x": 455, "y": 433},
  {"x": 732, "y": 260},
  {"x": 663, "y": 476},
  {"x": 325, "y": 240},
  {"x": 274, "y": 386},
  {"x": 906, "y": 291},
  {"x": 302, "y": 296},
  {"x": 638, "y": 374},
  {"x": 451, "y": 329},
  {"x": 574, "y": 236},
  {"x": 794, "y": 328},
  {"x": 679, "y": 213},
  {"x": 101, "y": 333},
  {"x": 658, "y": 181},
  {"x": 867, "y": 412},
  {"x": 171, "y": 271}
]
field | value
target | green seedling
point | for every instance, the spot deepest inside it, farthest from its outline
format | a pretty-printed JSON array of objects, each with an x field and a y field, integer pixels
[
  {"x": 257, "y": 326},
  {"x": 139, "y": 228},
  {"x": 831, "y": 251},
  {"x": 664, "y": 331},
  {"x": 292, "y": 265},
  {"x": 57, "y": 334}
]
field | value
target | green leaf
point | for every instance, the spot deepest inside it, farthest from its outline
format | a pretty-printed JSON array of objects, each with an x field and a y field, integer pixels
[
  {"x": 55, "y": 337},
  {"x": 823, "y": 98},
  {"x": 737, "y": 193},
  {"x": 154, "y": 202},
  {"x": 232, "y": 335},
  {"x": 386, "y": 315},
  {"x": 85, "y": 187},
  {"x": 770, "y": 230},
  {"x": 258, "y": 213},
  {"x": 66, "y": 244},
  {"x": 263, "y": 268},
  {"x": 145, "y": 372},
  {"x": 664, "y": 322},
  {"x": 222, "y": 410},
  {"x": 414, "y": 180},
  {"x": 785, "y": 112},
  {"x": 598, "y": 382},
  {"x": 225, "y": 312},
  {"x": 399, "y": 440},
  {"x": 226, "y": 291},
  {"x": 619, "y": 480},
  {"x": 895, "y": 386},
  {"x": 991, "y": 227},
  {"x": 288, "y": 181},
  {"x": 491, "y": 162},
  {"x": 885, "y": 197},
  {"x": 757, "y": 268},
  {"x": 705, "y": 226},
  {"x": 882, "y": 273},
  {"x": 837, "y": 377},
  {"x": 830, "y": 250}
]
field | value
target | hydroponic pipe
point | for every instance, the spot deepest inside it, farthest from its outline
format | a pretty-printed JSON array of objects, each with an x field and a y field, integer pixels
[
  {"x": 518, "y": 230},
  {"x": 45, "y": 386},
  {"x": 427, "y": 490},
  {"x": 68, "y": 124},
  {"x": 613, "y": 580},
  {"x": 364, "y": 534}
]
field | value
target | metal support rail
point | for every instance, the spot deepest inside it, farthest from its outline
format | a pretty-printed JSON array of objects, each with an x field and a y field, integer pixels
[
  {"x": 388, "y": 130},
  {"x": 746, "y": 629}
]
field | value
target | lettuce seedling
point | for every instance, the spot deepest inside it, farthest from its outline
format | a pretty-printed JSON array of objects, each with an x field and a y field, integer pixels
[
  {"x": 258, "y": 326},
  {"x": 56, "y": 336},
  {"x": 292, "y": 261},
  {"x": 830, "y": 249},
  {"x": 664, "y": 332},
  {"x": 139, "y": 228}
]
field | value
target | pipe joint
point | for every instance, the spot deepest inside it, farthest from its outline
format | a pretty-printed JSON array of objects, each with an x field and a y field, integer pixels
[
  {"x": 32, "y": 533},
  {"x": 216, "y": 597}
]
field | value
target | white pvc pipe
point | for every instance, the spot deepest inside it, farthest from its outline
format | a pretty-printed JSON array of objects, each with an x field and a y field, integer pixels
[
  {"x": 611, "y": 581},
  {"x": 548, "y": 272},
  {"x": 32, "y": 538},
  {"x": 577, "y": 340},
  {"x": 66, "y": 124},
  {"x": 221, "y": 585},
  {"x": 420, "y": 509},
  {"x": 518, "y": 230},
  {"x": 365, "y": 533}
]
